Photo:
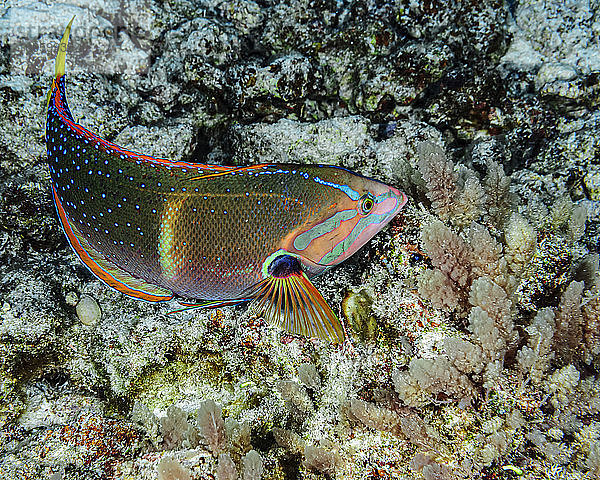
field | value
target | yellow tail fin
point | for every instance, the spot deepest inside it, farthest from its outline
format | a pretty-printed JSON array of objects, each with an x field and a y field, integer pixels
[
  {"x": 62, "y": 51},
  {"x": 61, "y": 58}
]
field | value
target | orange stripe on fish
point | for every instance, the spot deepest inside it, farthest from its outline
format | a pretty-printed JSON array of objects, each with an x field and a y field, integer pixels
[{"x": 232, "y": 170}]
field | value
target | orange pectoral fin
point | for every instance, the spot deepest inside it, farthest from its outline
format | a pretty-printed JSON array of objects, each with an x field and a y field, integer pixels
[
  {"x": 288, "y": 299},
  {"x": 104, "y": 269}
]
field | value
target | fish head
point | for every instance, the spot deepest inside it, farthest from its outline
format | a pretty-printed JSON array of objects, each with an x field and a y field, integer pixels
[{"x": 355, "y": 208}]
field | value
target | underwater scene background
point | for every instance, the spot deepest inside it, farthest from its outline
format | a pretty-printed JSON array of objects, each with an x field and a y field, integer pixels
[{"x": 474, "y": 318}]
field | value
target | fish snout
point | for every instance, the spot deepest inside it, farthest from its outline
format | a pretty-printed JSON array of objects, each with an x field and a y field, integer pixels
[{"x": 390, "y": 202}]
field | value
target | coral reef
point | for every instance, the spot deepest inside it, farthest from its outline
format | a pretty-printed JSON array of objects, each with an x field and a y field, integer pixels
[{"x": 473, "y": 320}]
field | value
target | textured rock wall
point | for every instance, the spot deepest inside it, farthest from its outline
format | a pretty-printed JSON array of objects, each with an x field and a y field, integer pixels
[{"x": 474, "y": 318}]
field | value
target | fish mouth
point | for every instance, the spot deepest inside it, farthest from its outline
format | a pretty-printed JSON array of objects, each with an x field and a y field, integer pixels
[
  {"x": 389, "y": 204},
  {"x": 401, "y": 197}
]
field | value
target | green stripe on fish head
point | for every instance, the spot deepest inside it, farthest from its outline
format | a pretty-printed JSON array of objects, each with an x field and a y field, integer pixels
[{"x": 361, "y": 208}]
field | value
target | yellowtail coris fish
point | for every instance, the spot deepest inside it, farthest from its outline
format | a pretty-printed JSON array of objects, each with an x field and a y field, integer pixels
[{"x": 154, "y": 229}]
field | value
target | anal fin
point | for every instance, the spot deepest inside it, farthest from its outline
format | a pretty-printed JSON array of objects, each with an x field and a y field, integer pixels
[
  {"x": 208, "y": 305},
  {"x": 104, "y": 269},
  {"x": 288, "y": 299}
]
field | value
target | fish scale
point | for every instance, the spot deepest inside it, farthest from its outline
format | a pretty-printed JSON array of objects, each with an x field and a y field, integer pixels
[{"x": 154, "y": 229}]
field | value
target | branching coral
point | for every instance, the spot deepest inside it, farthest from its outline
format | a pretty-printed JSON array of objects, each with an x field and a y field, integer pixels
[
  {"x": 170, "y": 469},
  {"x": 478, "y": 263},
  {"x": 469, "y": 204},
  {"x": 238, "y": 437},
  {"x": 535, "y": 357},
  {"x": 567, "y": 333},
  {"x": 466, "y": 356},
  {"x": 498, "y": 199},
  {"x": 174, "y": 427},
  {"x": 569, "y": 323},
  {"x": 459, "y": 262},
  {"x": 578, "y": 317},
  {"x": 569, "y": 218},
  {"x": 520, "y": 238},
  {"x": 488, "y": 259},
  {"x": 490, "y": 322},
  {"x": 490, "y": 298},
  {"x": 459, "y": 197},
  {"x": 440, "y": 178},
  {"x": 427, "y": 378},
  {"x": 439, "y": 289},
  {"x": 212, "y": 426},
  {"x": 451, "y": 257},
  {"x": 226, "y": 468},
  {"x": 563, "y": 333},
  {"x": 228, "y": 440},
  {"x": 449, "y": 253},
  {"x": 478, "y": 273},
  {"x": 374, "y": 416},
  {"x": 289, "y": 440},
  {"x": 591, "y": 327},
  {"x": 322, "y": 458},
  {"x": 472, "y": 274},
  {"x": 295, "y": 397},
  {"x": 252, "y": 468}
]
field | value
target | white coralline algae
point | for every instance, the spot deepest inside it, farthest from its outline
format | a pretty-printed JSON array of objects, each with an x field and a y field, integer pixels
[
  {"x": 560, "y": 38},
  {"x": 88, "y": 310}
]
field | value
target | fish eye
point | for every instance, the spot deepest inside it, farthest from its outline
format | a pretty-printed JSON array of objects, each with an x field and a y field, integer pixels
[{"x": 366, "y": 204}]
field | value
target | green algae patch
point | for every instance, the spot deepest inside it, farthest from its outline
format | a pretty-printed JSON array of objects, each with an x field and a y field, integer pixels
[
  {"x": 11, "y": 401},
  {"x": 167, "y": 385},
  {"x": 359, "y": 315}
]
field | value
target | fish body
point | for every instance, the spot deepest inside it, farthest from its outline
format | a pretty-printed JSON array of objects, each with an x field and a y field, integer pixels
[{"x": 154, "y": 229}]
